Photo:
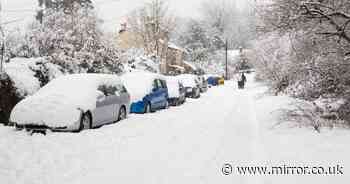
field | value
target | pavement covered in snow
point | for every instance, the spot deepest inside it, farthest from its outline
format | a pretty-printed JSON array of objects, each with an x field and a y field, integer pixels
[{"x": 185, "y": 144}]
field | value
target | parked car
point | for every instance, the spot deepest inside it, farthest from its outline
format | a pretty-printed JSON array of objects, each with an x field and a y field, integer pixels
[
  {"x": 73, "y": 103},
  {"x": 212, "y": 80},
  {"x": 191, "y": 84},
  {"x": 177, "y": 92},
  {"x": 148, "y": 91},
  {"x": 221, "y": 81},
  {"x": 203, "y": 84}
]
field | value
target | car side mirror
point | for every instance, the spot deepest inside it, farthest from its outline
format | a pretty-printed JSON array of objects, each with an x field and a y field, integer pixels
[{"x": 154, "y": 89}]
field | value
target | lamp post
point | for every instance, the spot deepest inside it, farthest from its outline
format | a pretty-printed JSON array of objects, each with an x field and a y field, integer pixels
[
  {"x": 226, "y": 60},
  {"x": 2, "y": 44}
]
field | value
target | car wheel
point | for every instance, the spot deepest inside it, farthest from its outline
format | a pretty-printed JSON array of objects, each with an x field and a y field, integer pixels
[
  {"x": 122, "y": 113},
  {"x": 85, "y": 122},
  {"x": 166, "y": 105},
  {"x": 148, "y": 108},
  {"x": 198, "y": 94}
]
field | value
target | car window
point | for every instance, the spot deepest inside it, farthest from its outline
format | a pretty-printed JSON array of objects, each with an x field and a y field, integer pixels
[
  {"x": 121, "y": 89},
  {"x": 107, "y": 90},
  {"x": 124, "y": 90},
  {"x": 159, "y": 84},
  {"x": 181, "y": 85},
  {"x": 163, "y": 82},
  {"x": 155, "y": 84}
]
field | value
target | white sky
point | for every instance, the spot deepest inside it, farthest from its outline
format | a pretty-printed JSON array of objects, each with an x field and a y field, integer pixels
[{"x": 111, "y": 11}]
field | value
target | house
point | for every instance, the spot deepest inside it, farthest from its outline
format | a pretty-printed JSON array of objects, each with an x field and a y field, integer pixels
[
  {"x": 171, "y": 56},
  {"x": 173, "y": 59},
  {"x": 127, "y": 39}
]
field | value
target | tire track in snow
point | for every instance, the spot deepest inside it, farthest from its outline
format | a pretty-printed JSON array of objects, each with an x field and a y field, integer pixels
[{"x": 239, "y": 144}]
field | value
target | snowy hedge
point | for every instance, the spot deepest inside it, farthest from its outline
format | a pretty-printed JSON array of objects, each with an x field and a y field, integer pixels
[
  {"x": 23, "y": 77},
  {"x": 309, "y": 69}
]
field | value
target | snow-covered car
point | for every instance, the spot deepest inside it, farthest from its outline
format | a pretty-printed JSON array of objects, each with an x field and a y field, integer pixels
[
  {"x": 191, "y": 84},
  {"x": 73, "y": 103},
  {"x": 177, "y": 92},
  {"x": 212, "y": 80},
  {"x": 221, "y": 81},
  {"x": 148, "y": 91},
  {"x": 203, "y": 84}
]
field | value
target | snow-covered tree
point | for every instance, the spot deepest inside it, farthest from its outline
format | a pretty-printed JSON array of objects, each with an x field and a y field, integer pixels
[
  {"x": 152, "y": 24},
  {"x": 64, "y": 5},
  {"x": 226, "y": 21},
  {"x": 73, "y": 40},
  {"x": 306, "y": 54}
]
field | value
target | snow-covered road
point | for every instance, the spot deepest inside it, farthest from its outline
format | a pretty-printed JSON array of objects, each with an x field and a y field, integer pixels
[{"x": 186, "y": 144}]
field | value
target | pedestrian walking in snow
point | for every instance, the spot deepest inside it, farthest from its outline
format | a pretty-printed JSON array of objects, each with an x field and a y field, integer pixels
[{"x": 241, "y": 81}]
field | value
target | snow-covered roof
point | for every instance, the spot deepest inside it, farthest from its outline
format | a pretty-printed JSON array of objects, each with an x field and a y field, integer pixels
[
  {"x": 174, "y": 46},
  {"x": 188, "y": 80},
  {"x": 178, "y": 67},
  {"x": 173, "y": 86},
  {"x": 191, "y": 65},
  {"x": 206, "y": 76}
]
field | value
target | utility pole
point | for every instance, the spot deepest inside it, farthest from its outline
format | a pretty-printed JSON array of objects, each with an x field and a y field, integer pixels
[
  {"x": 2, "y": 44},
  {"x": 226, "y": 59}
]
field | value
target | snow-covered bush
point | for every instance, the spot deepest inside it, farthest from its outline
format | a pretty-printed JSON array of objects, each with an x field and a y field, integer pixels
[
  {"x": 304, "y": 66},
  {"x": 137, "y": 59},
  {"x": 23, "y": 77},
  {"x": 304, "y": 49},
  {"x": 8, "y": 98}
]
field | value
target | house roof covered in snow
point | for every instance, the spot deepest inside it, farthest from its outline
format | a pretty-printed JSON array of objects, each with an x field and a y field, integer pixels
[
  {"x": 173, "y": 46},
  {"x": 191, "y": 65}
]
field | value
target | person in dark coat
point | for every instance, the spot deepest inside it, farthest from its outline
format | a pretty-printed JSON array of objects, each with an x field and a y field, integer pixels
[{"x": 241, "y": 81}]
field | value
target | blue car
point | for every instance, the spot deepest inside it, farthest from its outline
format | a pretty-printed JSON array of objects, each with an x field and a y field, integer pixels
[
  {"x": 148, "y": 91},
  {"x": 212, "y": 81}
]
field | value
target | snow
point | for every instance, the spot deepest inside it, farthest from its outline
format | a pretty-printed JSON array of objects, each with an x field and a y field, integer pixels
[
  {"x": 173, "y": 87},
  {"x": 185, "y": 144},
  {"x": 22, "y": 73},
  {"x": 23, "y": 77},
  {"x": 147, "y": 64},
  {"x": 59, "y": 103},
  {"x": 178, "y": 67},
  {"x": 137, "y": 59},
  {"x": 139, "y": 83},
  {"x": 206, "y": 76},
  {"x": 173, "y": 46},
  {"x": 190, "y": 65},
  {"x": 233, "y": 54},
  {"x": 188, "y": 80}
]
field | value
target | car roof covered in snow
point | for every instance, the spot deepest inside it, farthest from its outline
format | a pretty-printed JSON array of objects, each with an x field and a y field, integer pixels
[
  {"x": 62, "y": 100},
  {"x": 139, "y": 83},
  {"x": 173, "y": 84},
  {"x": 81, "y": 82},
  {"x": 188, "y": 80}
]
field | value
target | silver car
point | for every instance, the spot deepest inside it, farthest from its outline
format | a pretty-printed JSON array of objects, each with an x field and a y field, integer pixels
[{"x": 73, "y": 103}]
